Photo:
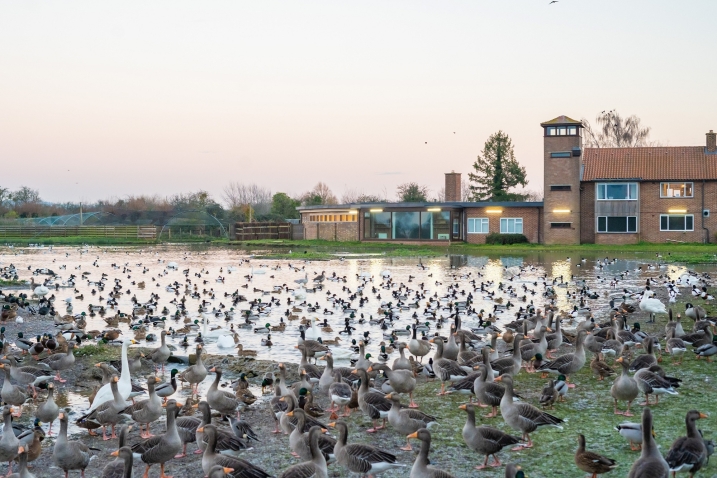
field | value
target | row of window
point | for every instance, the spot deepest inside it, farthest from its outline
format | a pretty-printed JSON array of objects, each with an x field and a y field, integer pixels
[
  {"x": 627, "y": 224},
  {"x": 628, "y": 191},
  {"x": 508, "y": 225},
  {"x": 561, "y": 131},
  {"x": 332, "y": 217}
]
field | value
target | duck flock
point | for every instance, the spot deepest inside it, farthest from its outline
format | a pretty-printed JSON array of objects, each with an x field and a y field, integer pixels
[{"x": 366, "y": 340}]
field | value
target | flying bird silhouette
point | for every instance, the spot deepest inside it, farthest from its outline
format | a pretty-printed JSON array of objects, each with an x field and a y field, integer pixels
[{"x": 554, "y": 1}]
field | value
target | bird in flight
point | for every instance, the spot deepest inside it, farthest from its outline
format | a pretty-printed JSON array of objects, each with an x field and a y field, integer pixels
[{"x": 554, "y": 1}]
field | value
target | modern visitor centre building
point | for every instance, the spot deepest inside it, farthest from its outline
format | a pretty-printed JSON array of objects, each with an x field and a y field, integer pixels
[{"x": 592, "y": 195}]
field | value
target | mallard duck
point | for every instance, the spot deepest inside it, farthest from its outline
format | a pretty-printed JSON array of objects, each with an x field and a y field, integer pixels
[
  {"x": 688, "y": 453},
  {"x": 421, "y": 467},
  {"x": 651, "y": 464},
  {"x": 624, "y": 388},
  {"x": 523, "y": 416},
  {"x": 707, "y": 350},
  {"x": 360, "y": 458},
  {"x": 484, "y": 440},
  {"x": 632, "y": 432},
  {"x": 600, "y": 368},
  {"x": 241, "y": 352},
  {"x": 513, "y": 471},
  {"x": 266, "y": 342},
  {"x": 591, "y": 462},
  {"x": 548, "y": 395}
]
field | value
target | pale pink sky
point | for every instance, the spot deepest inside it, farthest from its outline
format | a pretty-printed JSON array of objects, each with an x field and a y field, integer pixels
[{"x": 101, "y": 99}]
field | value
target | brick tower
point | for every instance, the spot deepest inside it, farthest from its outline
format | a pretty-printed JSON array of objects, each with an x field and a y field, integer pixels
[{"x": 562, "y": 160}]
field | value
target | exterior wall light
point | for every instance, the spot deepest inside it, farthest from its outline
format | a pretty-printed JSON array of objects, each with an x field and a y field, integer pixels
[
  {"x": 559, "y": 211},
  {"x": 376, "y": 210},
  {"x": 434, "y": 209},
  {"x": 494, "y": 211},
  {"x": 677, "y": 211},
  {"x": 353, "y": 211}
]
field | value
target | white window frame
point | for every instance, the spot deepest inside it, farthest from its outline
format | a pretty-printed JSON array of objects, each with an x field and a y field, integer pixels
[
  {"x": 677, "y": 230},
  {"x": 504, "y": 221},
  {"x": 597, "y": 226},
  {"x": 615, "y": 183},
  {"x": 684, "y": 186},
  {"x": 482, "y": 222}
]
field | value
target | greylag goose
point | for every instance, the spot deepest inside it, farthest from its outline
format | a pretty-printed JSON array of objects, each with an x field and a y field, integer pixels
[
  {"x": 9, "y": 443},
  {"x": 109, "y": 413},
  {"x": 446, "y": 370},
  {"x": 624, "y": 388},
  {"x": 688, "y": 453},
  {"x": 450, "y": 348},
  {"x": 146, "y": 411},
  {"x": 373, "y": 404},
  {"x": 402, "y": 363},
  {"x": 161, "y": 354},
  {"x": 569, "y": 363},
  {"x": 299, "y": 439},
  {"x": 12, "y": 394},
  {"x": 591, "y": 462},
  {"x": 28, "y": 375},
  {"x": 161, "y": 448},
  {"x": 488, "y": 393},
  {"x": 523, "y": 416},
  {"x": 195, "y": 374},
  {"x": 70, "y": 454},
  {"x": 219, "y": 471},
  {"x": 675, "y": 347},
  {"x": 406, "y": 420},
  {"x": 210, "y": 458},
  {"x": 484, "y": 439},
  {"x": 314, "y": 348},
  {"x": 124, "y": 385},
  {"x": 510, "y": 365},
  {"x": 48, "y": 411},
  {"x": 647, "y": 359},
  {"x": 224, "y": 439},
  {"x": 22, "y": 458},
  {"x": 402, "y": 381},
  {"x": 316, "y": 467},
  {"x": 222, "y": 401},
  {"x": 60, "y": 362},
  {"x": 651, "y": 464},
  {"x": 421, "y": 467},
  {"x": 651, "y": 383},
  {"x": 122, "y": 466},
  {"x": 312, "y": 371},
  {"x": 418, "y": 347},
  {"x": 340, "y": 395},
  {"x": 360, "y": 458},
  {"x": 327, "y": 377}
]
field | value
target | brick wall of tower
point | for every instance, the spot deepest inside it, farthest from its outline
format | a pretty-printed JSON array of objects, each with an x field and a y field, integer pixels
[
  {"x": 453, "y": 187},
  {"x": 566, "y": 172}
]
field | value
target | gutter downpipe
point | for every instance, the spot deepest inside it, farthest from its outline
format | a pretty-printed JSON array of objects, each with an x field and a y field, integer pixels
[{"x": 706, "y": 239}]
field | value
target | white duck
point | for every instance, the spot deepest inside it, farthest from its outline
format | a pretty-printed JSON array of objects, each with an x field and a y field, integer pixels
[{"x": 124, "y": 385}]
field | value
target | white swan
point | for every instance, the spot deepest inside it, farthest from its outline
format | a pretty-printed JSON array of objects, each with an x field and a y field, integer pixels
[
  {"x": 386, "y": 273},
  {"x": 653, "y": 306},
  {"x": 258, "y": 271},
  {"x": 41, "y": 291},
  {"x": 226, "y": 341},
  {"x": 124, "y": 385},
  {"x": 173, "y": 266},
  {"x": 313, "y": 332},
  {"x": 206, "y": 333}
]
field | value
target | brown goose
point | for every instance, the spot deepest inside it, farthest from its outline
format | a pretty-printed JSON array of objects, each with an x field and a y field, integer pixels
[
  {"x": 510, "y": 365},
  {"x": 624, "y": 388},
  {"x": 299, "y": 439},
  {"x": 313, "y": 348},
  {"x": 484, "y": 439},
  {"x": 312, "y": 371},
  {"x": 688, "y": 453},
  {"x": 647, "y": 359},
  {"x": 70, "y": 454},
  {"x": 316, "y": 467},
  {"x": 327, "y": 376},
  {"x": 161, "y": 448},
  {"x": 568, "y": 363},
  {"x": 210, "y": 458},
  {"x": 406, "y": 420},
  {"x": 591, "y": 462},
  {"x": 124, "y": 459},
  {"x": 402, "y": 381},
  {"x": 146, "y": 411},
  {"x": 651, "y": 464},
  {"x": 372, "y": 404},
  {"x": 195, "y": 374},
  {"x": 12, "y": 394},
  {"x": 421, "y": 467},
  {"x": 446, "y": 370},
  {"x": 523, "y": 416},
  {"x": 222, "y": 401},
  {"x": 116, "y": 468},
  {"x": 48, "y": 411},
  {"x": 340, "y": 394},
  {"x": 224, "y": 440},
  {"x": 9, "y": 443},
  {"x": 651, "y": 383},
  {"x": 109, "y": 413},
  {"x": 59, "y": 362},
  {"x": 161, "y": 354},
  {"x": 360, "y": 458},
  {"x": 488, "y": 393}
]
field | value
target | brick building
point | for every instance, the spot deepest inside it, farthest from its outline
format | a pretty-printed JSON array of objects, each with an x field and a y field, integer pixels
[{"x": 592, "y": 195}]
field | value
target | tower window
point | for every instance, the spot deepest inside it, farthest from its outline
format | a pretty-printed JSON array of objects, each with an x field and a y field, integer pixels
[
  {"x": 560, "y": 187},
  {"x": 561, "y": 154},
  {"x": 561, "y": 131},
  {"x": 561, "y": 225}
]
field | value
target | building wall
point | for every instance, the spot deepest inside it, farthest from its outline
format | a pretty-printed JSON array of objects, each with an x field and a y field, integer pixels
[
  {"x": 331, "y": 231},
  {"x": 531, "y": 222},
  {"x": 617, "y": 238},
  {"x": 563, "y": 171},
  {"x": 587, "y": 213},
  {"x": 453, "y": 187}
]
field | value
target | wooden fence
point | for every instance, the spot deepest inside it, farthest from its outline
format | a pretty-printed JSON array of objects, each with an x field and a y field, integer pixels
[
  {"x": 247, "y": 231},
  {"x": 124, "y": 232}
]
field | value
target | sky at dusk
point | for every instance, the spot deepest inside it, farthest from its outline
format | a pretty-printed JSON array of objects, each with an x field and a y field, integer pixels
[{"x": 107, "y": 99}]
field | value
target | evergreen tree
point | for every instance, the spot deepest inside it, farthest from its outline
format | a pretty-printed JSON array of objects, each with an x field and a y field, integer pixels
[{"x": 497, "y": 171}]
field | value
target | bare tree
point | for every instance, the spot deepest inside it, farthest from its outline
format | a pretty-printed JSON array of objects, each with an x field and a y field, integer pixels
[
  {"x": 236, "y": 194},
  {"x": 25, "y": 195},
  {"x": 614, "y": 131},
  {"x": 465, "y": 190},
  {"x": 441, "y": 194},
  {"x": 350, "y": 196},
  {"x": 532, "y": 195},
  {"x": 320, "y": 194}
]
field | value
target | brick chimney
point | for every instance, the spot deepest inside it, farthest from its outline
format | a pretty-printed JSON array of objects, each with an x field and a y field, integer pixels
[
  {"x": 453, "y": 187},
  {"x": 711, "y": 146}
]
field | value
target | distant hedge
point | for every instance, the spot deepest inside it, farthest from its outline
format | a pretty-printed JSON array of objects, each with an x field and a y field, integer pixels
[{"x": 502, "y": 239}]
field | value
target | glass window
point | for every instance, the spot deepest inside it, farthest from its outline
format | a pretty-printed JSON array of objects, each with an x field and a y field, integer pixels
[
  {"x": 435, "y": 225},
  {"x": 677, "y": 222},
  {"x": 406, "y": 225},
  {"x": 377, "y": 225},
  {"x": 572, "y": 130},
  {"x": 561, "y": 154},
  {"x": 511, "y": 225},
  {"x": 617, "y": 191},
  {"x": 617, "y": 223},
  {"x": 477, "y": 225},
  {"x": 676, "y": 190},
  {"x": 550, "y": 131}
]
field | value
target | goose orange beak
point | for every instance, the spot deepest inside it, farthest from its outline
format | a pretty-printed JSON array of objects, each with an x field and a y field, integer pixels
[
  {"x": 200, "y": 429},
  {"x": 290, "y": 414},
  {"x": 463, "y": 407},
  {"x": 412, "y": 435},
  {"x": 332, "y": 424},
  {"x": 704, "y": 415},
  {"x": 115, "y": 453},
  {"x": 228, "y": 470},
  {"x": 499, "y": 378}
]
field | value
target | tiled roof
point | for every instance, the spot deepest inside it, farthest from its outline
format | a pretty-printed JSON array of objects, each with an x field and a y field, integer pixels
[
  {"x": 561, "y": 120},
  {"x": 649, "y": 164}
]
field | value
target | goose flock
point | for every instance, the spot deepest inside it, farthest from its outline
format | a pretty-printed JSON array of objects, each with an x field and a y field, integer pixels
[{"x": 373, "y": 346}]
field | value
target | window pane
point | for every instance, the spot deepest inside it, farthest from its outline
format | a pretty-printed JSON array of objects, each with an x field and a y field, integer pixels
[
  {"x": 616, "y": 224},
  {"x": 602, "y": 224},
  {"x": 663, "y": 222},
  {"x": 601, "y": 191},
  {"x": 406, "y": 225},
  {"x": 616, "y": 191},
  {"x": 631, "y": 224},
  {"x": 519, "y": 226},
  {"x": 676, "y": 223},
  {"x": 687, "y": 190},
  {"x": 688, "y": 223},
  {"x": 379, "y": 225}
]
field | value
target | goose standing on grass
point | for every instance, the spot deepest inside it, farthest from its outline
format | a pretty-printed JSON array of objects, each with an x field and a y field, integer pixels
[
  {"x": 488, "y": 393},
  {"x": 373, "y": 404},
  {"x": 124, "y": 385},
  {"x": 421, "y": 467},
  {"x": 70, "y": 454},
  {"x": 316, "y": 467},
  {"x": 484, "y": 440},
  {"x": 651, "y": 383},
  {"x": 510, "y": 365},
  {"x": 624, "y": 388},
  {"x": 651, "y": 464},
  {"x": 688, "y": 453},
  {"x": 210, "y": 458},
  {"x": 340, "y": 394},
  {"x": 360, "y": 458},
  {"x": 675, "y": 347},
  {"x": 446, "y": 370},
  {"x": 161, "y": 448},
  {"x": 402, "y": 381},
  {"x": 523, "y": 416},
  {"x": 569, "y": 363},
  {"x": 406, "y": 420},
  {"x": 591, "y": 462}
]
